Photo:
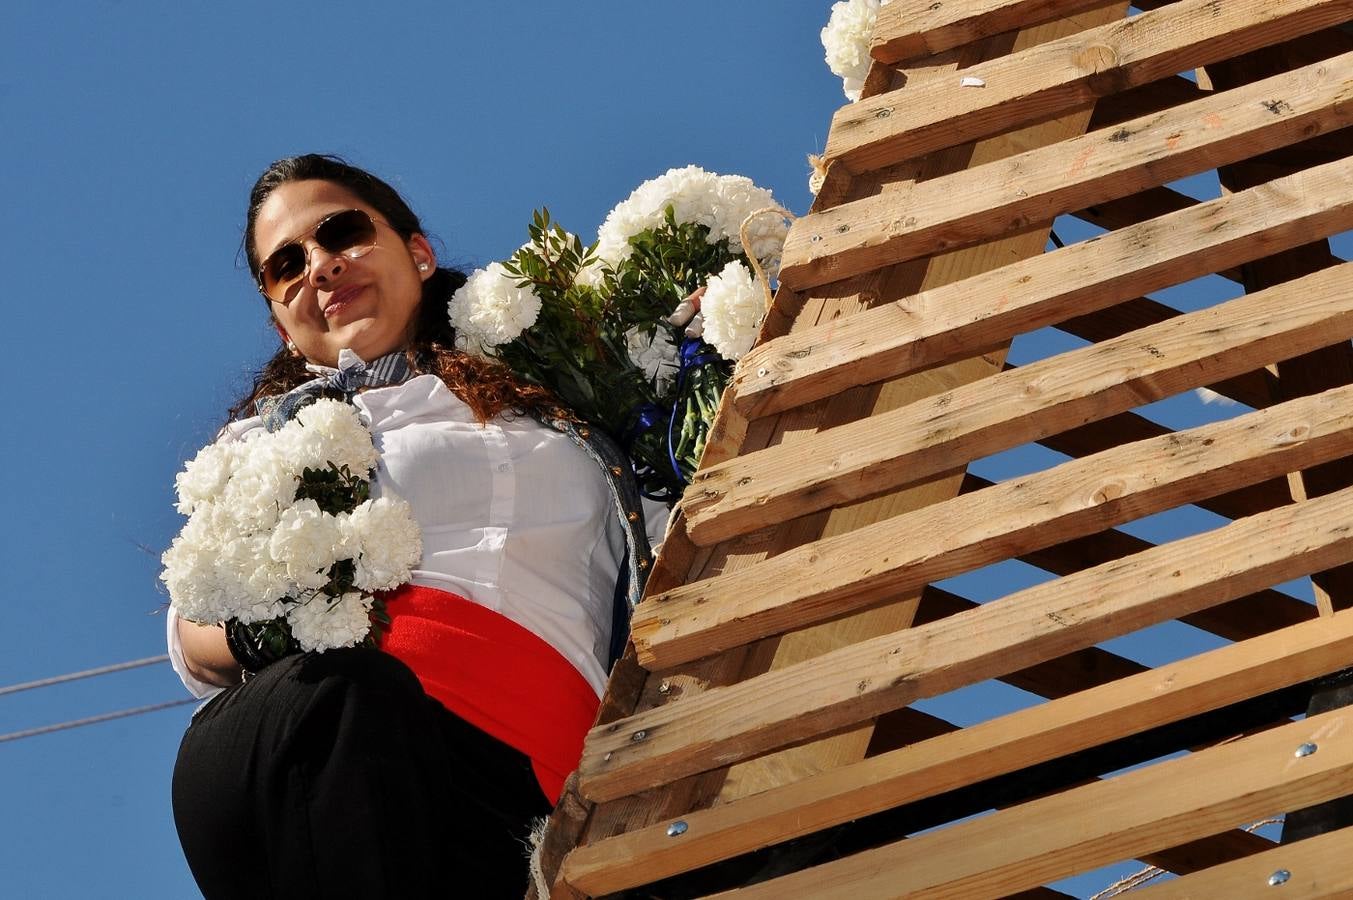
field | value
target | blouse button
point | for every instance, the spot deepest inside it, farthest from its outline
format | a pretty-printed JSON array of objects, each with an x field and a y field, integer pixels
[
  {"x": 504, "y": 467},
  {"x": 616, "y": 470},
  {"x": 584, "y": 433},
  {"x": 632, "y": 516}
]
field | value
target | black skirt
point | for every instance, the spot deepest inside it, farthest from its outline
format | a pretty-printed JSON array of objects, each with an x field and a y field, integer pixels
[{"x": 333, "y": 775}]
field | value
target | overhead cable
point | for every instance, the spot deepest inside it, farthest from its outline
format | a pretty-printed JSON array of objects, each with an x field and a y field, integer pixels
[
  {"x": 87, "y": 673},
  {"x": 91, "y": 720}
]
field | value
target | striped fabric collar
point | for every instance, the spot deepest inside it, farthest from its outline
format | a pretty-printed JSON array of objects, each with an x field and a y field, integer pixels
[{"x": 353, "y": 373}]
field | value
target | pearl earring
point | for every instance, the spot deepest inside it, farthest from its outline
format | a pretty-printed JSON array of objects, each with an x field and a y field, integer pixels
[{"x": 422, "y": 267}]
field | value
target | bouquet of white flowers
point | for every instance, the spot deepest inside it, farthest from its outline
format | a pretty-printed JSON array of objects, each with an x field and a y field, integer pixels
[
  {"x": 612, "y": 328},
  {"x": 283, "y": 538}
]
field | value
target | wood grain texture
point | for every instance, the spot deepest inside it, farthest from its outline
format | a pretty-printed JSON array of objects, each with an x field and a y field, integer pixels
[
  {"x": 905, "y": 29},
  {"x": 1030, "y": 626},
  {"x": 828, "y": 578},
  {"x": 1025, "y": 404},
  {"x": 1039, "y": 185},
  {"x": 1059, "y": 836},
  {"x": 1006, "y": 744},
  {"x": 935, "y": 326},
  {"x": 1059, "y": 75},
  {"x": 1317, "y": 869}
]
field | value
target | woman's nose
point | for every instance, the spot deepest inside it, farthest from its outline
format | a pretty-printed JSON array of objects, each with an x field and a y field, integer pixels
[{"x": 322, "y": 267}]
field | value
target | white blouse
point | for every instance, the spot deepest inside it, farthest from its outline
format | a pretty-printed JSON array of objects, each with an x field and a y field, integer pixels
[{"x": 514, "y": 517}]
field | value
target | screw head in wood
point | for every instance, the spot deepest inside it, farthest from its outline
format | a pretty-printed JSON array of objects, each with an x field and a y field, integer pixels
[
  {"x": 1306, "y": 749},
  {"x": 638, "y": 736},
  {"x": 1279, "y": 877},
  {"x": 676, "y": 828}
]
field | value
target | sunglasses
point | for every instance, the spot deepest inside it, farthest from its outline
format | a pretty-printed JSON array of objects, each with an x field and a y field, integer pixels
[{"x": 351, "y": 233}]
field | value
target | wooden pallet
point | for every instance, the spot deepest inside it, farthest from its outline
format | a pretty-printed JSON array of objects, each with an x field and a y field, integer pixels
[{"x": 760, "y": 728}]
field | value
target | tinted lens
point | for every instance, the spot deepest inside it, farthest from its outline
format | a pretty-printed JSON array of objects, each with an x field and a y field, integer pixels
[
  {"x": 351, "y": 233},
  {"x": 281, "y": 270}
]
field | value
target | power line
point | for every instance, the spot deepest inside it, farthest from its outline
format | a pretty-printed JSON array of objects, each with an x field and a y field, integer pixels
[
  {"x": 92, "y": 720},
  {"x": 87, "y": 673}
]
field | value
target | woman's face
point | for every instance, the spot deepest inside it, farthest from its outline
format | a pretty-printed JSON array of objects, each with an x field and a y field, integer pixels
[{"x": 366, "y": 304}]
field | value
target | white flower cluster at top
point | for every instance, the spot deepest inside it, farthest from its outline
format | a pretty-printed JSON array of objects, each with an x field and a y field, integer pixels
[
  {"x": 490, "y": 309},
  {"x": 719, "y": 202},
  {"x": 733, "y": 307},
  {"x": 846, "y": 40},
  {"x": 251, "y": 551}
]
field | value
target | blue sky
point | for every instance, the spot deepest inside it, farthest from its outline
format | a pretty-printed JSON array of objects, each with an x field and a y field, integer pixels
[{"x": 132, "y": 131}]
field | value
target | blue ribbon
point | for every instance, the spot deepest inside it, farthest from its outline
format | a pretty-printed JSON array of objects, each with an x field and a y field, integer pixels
[{"x": 691, "y": 358}]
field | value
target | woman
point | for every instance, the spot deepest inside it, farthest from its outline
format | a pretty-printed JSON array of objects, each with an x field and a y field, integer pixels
[{"x": 413, "y": 770}]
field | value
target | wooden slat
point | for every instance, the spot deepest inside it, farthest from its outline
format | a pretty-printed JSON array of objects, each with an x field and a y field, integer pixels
[
  {"x": 910, "y": 28},
  {"x": 1246, "y": 617},
  {"x": 1038, "y": 185},
  {"x": 1147, "y": 98},
  {"x": 1043, "y": 398},
  {"x": 1036, "y": 624},
  {"x": 1057, "y": 836},
  {"x": 830, "y": 577},
  {"x": 845, "y": 298},
  {"x": 1316, "y": 868},
  {"x": 935, "y": 326},
  {"x": 1064, "y": 74},
  {"x": 1006, "y": 744},
  {"x": 1124, "y": 428}
]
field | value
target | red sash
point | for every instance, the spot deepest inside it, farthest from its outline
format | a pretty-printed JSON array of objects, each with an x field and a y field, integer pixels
[{"x": 496, "y": 675}]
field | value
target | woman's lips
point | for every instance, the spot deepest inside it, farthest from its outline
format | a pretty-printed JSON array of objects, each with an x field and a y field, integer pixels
[{"x": 340, "y": 301}]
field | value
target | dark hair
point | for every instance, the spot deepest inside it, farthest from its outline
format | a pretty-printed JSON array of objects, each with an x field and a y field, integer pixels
[{"x": 487, "y": 387}]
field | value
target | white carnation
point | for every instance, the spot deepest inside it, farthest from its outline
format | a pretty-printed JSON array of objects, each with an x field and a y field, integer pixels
[
  {"x": 656, "y": 355},
  {"x": 386, "y": 543},
  {"x": 308, "y": 541},
  {"x": 490, "y": 309},
  {"x": 846, "y": 40},
  {"x": 190, "y": 572},
  {"x": 733, "y": 308},
  {"x": 262, "y": 485},
  {"x": 205, "y": 475},
  {"x": 328, "y": 431},
  {"x": 255, "y": 582},
  {"x": 323, "y": 623},
  {"x": 719, "y": 202}
]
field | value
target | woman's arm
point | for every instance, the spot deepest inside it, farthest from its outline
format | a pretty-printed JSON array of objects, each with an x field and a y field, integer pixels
[{"x": 206, "y": 655}]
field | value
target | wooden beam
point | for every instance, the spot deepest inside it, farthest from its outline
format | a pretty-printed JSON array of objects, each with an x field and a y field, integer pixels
[
  {"x": 1121, "y": 212},
  {"x": 828, "y": 578},
  {"x": 1144, "y": 99},
  {"x": 1254, "y": 389},
  {"x": 1064, "y": 74},
  {"x": 1315, "y": 868},
  {"x": 938, "y": 325},
  {"x": 905, "y": 29},
  {"x": 1124, "y": 428},
  {"x": 1014, "y": 407},
  {"x": 1237, "y": 620},
  {"x": 1036, "y": 624},
  {"x": 1038, "y": 185},
  {"x": 1081, "y": 720},
  {"x": 1164, "y": 804},
  {"x": 683, "y": 561}
]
